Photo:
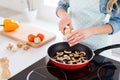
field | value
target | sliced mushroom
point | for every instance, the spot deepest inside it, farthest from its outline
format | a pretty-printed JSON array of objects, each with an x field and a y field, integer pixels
[
  {"x": 84, "y": 59},
  {"x": 82, "y": 54},
  {"x": 65, "y": 55},
  {"x": 67, "y": 52},
  {"x": 72, "y": 62},
  {"x": 79, "y": 60},
  {"x": 71, "y": 55},
  {"x": 60, "y": 59},
  {"x": 60, "y": 53},
  {"x": 67, "y": 58},
  {"x": 77, "y": 52},
  {"x": 76, "y": 55},
  {"x": 73, "y": 59},
  {"x": 64, "y": 62}
]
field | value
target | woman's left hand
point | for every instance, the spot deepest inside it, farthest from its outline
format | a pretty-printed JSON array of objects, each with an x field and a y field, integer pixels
[
  {"x": 78, "y": 36},
  {"x": 81, "y": 34}
]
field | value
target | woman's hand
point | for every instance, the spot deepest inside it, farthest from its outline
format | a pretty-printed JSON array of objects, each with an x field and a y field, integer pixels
[
  {"x": 78, "y": 36},
  {"x": 65, "y": 21},
  {"x": 81, "y": 34}
]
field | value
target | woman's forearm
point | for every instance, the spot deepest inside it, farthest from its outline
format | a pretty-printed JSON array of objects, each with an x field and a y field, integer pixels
[
  {"x": 61, "y": 12},
  {"x": 105, "y": 29},
  {"x": 65, "y": 20}
]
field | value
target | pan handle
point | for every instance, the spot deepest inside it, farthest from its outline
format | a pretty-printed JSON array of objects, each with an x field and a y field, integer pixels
[{"x": 98, "y": 51}]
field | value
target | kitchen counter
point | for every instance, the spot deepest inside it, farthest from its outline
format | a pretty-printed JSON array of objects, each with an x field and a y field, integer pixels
[{"x": 22, "y": 59}]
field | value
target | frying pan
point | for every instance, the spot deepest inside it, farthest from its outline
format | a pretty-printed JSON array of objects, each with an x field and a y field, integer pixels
[{"x": 90, "y": 54}]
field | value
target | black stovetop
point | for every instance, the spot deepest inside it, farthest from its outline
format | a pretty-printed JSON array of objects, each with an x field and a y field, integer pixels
[{"x": 45, "y": 70}]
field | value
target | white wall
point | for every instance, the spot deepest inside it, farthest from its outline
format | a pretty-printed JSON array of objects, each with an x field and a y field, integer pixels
[
  {"x": 17, "y": 5},
  {"x": 47, "y": 12},
  {"x": 44, "y": 12}
]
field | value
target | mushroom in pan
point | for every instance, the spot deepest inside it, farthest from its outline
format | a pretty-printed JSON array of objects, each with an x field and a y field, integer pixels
[
  {"x": 67, "y": 52},
  {"x": 72, "y": 62},
  {"x": 60, "y": 53},
  {"x": 77, "y": 52},
  {"x": 71, "y": 55},
  {"x": 73, "y": 59},
  {"x": 64, "y": 62},
  {"x": 84, "y": 59},
  {"x": 82, "y": 54},
  {"x": 79, "y": 60},
  {"x": 76, "y": 55},
  {"x": 60, "y": 59},
  {"x": 67, "y": 57}
]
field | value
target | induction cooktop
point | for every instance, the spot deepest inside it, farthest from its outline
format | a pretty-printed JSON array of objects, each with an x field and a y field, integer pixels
[{"x": 45, "y": 70}]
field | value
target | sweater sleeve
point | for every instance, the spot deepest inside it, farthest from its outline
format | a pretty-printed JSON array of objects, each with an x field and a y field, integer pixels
[
  {"x": 65, "y": 6},
  {"x": 114, "y": 20},
  {"x": 115, "y": 23}
]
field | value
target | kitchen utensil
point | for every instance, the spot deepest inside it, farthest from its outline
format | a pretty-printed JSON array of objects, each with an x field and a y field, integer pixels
[
  {"x": 22, "y": 33},
  {"x": 90, "y": 54}
]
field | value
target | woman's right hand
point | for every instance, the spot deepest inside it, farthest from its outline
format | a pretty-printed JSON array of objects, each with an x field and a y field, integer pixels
[{"x": 65, "y": 20}]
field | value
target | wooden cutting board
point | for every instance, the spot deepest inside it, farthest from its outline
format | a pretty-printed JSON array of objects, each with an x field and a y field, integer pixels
[{"x": 21, "y": 35}]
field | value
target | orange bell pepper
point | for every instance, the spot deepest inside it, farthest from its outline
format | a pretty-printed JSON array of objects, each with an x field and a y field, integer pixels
[{"x": 9, "y": 25}]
